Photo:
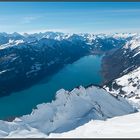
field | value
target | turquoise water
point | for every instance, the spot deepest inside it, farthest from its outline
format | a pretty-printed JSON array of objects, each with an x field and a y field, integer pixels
[{"x": 82, "y": 72}]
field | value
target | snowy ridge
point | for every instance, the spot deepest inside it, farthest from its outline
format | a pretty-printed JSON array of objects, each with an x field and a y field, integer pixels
[
  {"x": 9, "y": 40},
  {"x": 68, "y": 111},
  {"x": 133, "y": 43},
  {"x": 124, "y": 35},
  {"x": 11, "y": 43}
]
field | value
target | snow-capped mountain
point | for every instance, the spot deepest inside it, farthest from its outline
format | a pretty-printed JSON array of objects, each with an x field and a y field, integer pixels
[
  {"x": 69, "y": 110},
  {"x": 124, "y": 68},
  {"x": 29, "y": 57},
  {"x": 122, "y": 60},
  {"x": 86, "y": 37}
]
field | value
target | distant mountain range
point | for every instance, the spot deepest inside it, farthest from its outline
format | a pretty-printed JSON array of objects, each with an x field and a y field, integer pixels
[{"x": 25, "y": 59}]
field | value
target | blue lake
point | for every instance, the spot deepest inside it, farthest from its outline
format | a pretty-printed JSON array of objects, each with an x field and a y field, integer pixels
[{"x": 82, "y": 72}]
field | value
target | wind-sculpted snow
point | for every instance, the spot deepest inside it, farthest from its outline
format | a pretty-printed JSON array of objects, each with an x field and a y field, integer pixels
[{"x": 68, "y": 111}]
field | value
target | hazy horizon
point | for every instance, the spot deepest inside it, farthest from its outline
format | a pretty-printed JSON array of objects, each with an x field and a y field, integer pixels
[{"x": 70, "y": 17}]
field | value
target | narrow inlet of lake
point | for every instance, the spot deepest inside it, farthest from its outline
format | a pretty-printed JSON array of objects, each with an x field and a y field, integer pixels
[{"x": 82, "y": 72}]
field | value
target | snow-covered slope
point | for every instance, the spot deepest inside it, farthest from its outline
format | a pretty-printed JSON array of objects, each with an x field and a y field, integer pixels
[
  {"x": 68, "y": 111},
  {"x": 127, "y": 126},
  {"x": 133, "y": 43},
  {"x": 11, "y": 43},
  {"x": 128, "y": 83},
  {"x": 127, "y": 86},
  {"x": 123, "y": 60}
]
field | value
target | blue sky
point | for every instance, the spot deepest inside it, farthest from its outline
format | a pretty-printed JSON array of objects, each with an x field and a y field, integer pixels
[{"x": 77, "y": 17}]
